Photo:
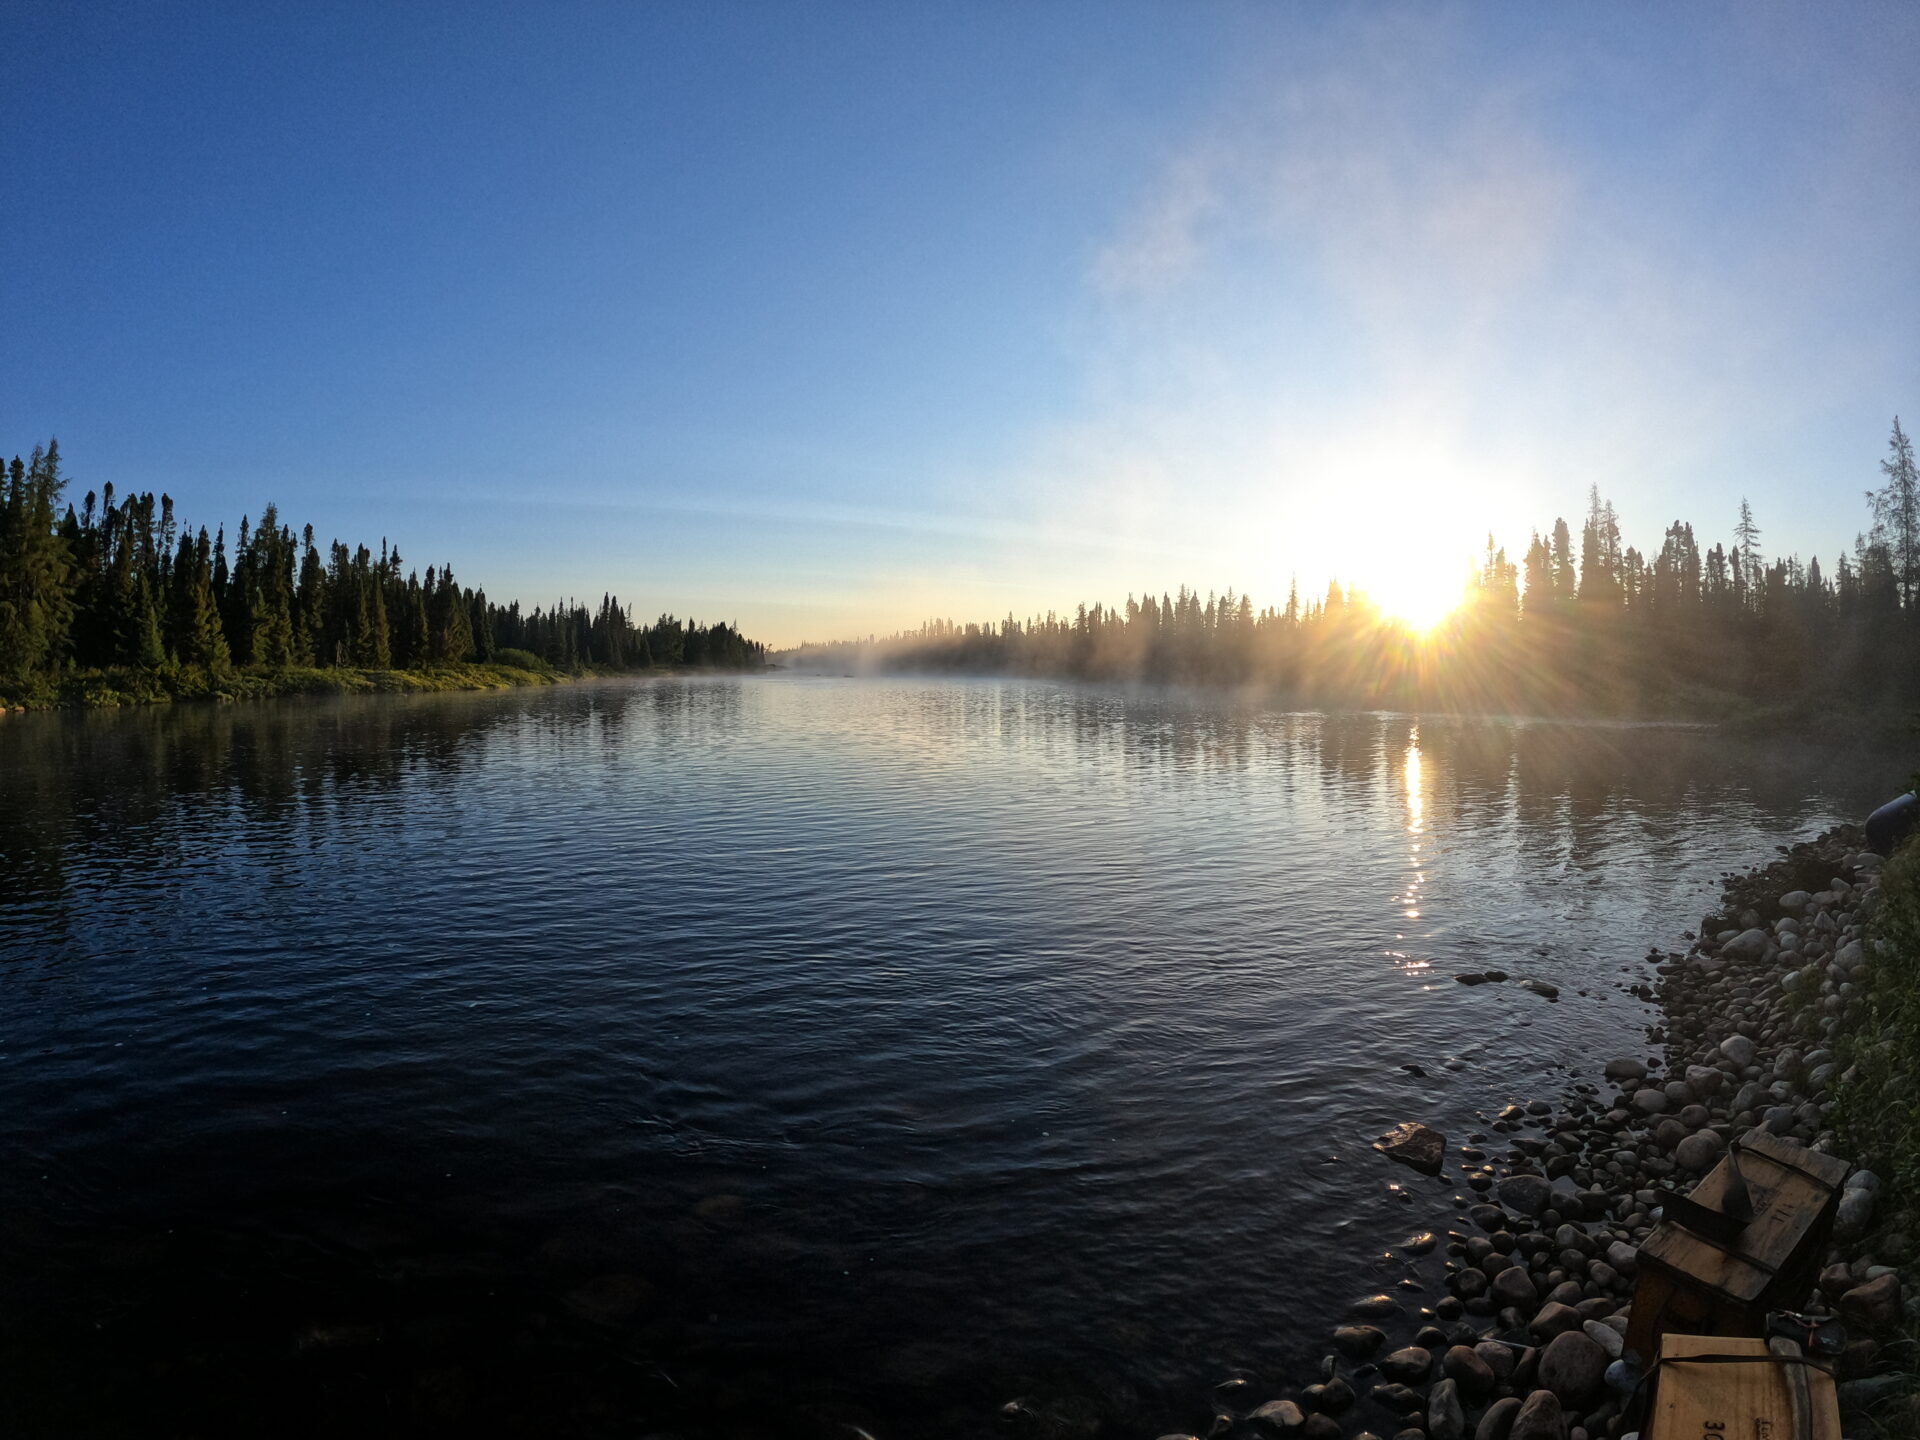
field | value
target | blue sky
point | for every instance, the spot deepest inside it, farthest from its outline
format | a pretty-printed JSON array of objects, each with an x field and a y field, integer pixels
[{"x": 830, "y": 318}]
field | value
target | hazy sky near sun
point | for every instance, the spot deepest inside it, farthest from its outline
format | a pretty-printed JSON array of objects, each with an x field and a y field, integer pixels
[{"x": 831, "y": 318}]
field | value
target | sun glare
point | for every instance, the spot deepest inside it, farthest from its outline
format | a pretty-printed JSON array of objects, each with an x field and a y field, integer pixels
[{"x": 1419, "y": 597}]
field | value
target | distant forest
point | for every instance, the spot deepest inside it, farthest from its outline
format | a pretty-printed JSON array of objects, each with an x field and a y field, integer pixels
[
  {"x": 123, "y": 588},
  {"x": 1600, "y": 628}
]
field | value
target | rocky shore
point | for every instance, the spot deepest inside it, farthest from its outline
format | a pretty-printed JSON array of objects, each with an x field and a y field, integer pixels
[{"x": 1556, "y": 1197}]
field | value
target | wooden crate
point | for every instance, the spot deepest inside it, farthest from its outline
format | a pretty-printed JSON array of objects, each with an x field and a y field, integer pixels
[
  {"x": 1697, "y": 1286},
  {"x": 1733, "y": 1402}
]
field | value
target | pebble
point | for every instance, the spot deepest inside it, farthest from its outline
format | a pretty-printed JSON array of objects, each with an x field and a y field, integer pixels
[
  {"x": 1374, "y": 1307},
  {"x": 1409, "y": 1365},
  {"x": 1540, "y": 1417},
  {"x": 1526, "y": 1194},
  {"x": 1497, "y": 1422}
]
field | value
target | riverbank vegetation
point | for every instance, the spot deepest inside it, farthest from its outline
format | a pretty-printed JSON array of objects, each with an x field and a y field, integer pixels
[
  {"x": 1876, "y": 1113},
  {"x": 116, "y": 601},
  {"x": 1682, "y": 628}
]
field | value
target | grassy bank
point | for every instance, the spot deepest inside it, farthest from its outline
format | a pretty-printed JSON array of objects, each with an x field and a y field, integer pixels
[
  {"x": 1876, "y": 1113},
  {"x": 114, "y": 687}
]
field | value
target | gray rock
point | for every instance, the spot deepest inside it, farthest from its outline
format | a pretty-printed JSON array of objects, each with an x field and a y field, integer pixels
[
  {"x": 1334, "y": 1396},
  {"x": 1749, "y": 944},
  {"x": 1374, "y": 1307},
  {"x": 1739, "y": 1049},
  {"x": 1467, "y": 1369},
  {"x": 1794, "y": 901},
  {"x": 1420, "y": 1146},
  {"x": 1863, "y": 1180},
  {"x": 1358, "y": 1341},
  {"x": 1575, "y": 1369},
  {"x": 1554, "y": 1319},
  {"x": 1527, "y": 1194},
  {"x": 1409, "y": 1366},
  {"x": 1623, "y": 1377},
  {"x": 1778, "y": 1120},
  {"x": 1606, "y": 1337},
  {"x": 1488, "y": 1217},
  {"x": 1649, "y": 1101},
  {"x": 1401, "y": 1399},
  {"x": 1539, "y": 1418},
  {"x": 1705, "y": 1079},
  {"x": 1855, "y": 1212},
  {"x": 1499, "y": 1358},
  {"x": 1861, "y": 1395},
  {"x": 1513, "y": 1286},
  {"x": 1623, "y": 1257},
  {"x": 1626, "y": 1068},
  {"x": 1283, "y": 1417},
  {"x": 1699, "y": 1151},
  {"x": 1446, "y": 1417},
  {"x": 1497, "y": 1422}
]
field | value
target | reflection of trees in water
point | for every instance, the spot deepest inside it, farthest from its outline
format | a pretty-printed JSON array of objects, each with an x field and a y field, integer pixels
[
  {"x": 148, "y": 786},
  {"x": 154, "y": 787}
]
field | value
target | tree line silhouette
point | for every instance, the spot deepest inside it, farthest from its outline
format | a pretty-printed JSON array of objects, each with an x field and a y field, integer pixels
[
  {"x": 122, "y": 585},
  {"x": 1592, "y": 626}
]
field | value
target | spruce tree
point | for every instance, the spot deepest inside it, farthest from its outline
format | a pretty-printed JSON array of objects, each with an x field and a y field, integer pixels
[{"x": 1896, "y": 515}]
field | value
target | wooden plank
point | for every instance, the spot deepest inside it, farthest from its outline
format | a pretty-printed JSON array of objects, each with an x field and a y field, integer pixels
[
  {"x": 1790, "y": 1188},
  {"x": 1733, "y": 1402}
]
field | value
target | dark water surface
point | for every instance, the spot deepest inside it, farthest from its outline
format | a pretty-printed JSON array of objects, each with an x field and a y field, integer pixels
[{"x": 757, "y": 1056}]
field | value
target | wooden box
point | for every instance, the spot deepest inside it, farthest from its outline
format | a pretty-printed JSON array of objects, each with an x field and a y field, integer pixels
[
  {"x": 1734, "y": 1401},
  {"x": 1699, "y": 1286}
]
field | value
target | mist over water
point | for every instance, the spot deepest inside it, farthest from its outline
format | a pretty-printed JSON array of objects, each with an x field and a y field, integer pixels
[{"x": 735, "y": 1053}]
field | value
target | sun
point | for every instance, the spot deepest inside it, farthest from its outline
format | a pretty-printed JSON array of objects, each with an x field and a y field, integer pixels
[{"x": 1417, "y": 592}]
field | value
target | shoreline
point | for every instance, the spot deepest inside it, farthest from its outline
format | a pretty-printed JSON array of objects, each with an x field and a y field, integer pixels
[
  {"x": 1537, "y": 1260},
  {"x": 128, "y": 689}
]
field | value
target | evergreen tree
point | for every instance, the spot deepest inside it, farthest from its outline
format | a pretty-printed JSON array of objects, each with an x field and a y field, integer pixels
[{"x": 1896, "y": 515}]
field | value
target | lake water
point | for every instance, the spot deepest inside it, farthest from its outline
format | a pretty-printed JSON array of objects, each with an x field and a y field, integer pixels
[{"x": 767, "y": 1055}]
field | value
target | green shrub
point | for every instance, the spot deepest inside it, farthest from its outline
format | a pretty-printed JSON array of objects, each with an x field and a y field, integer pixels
[{"x": 521, "y": 660}]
